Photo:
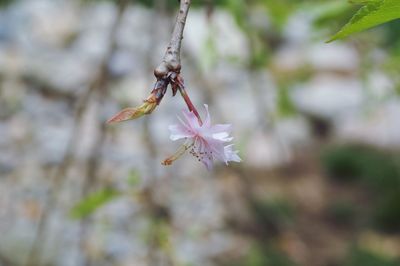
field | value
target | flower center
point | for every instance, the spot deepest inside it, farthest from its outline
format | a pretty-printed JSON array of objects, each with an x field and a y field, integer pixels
[{"x": 200, "y": 149}]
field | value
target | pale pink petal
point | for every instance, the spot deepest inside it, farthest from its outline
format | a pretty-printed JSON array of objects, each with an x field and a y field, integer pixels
[
  {"x": 207, "y": 121},
  {"x": 191, "y": 119},
  {"x": 222, "y": 136},
  {"x": 179, "y": 132},
  {"x": 208, "y": 140},
  {"x": 231, "y": 155},
  {"x": 204, "y": 152},
  {"x": 220, "y": 132},
  {"x": 185, "y": 125},
  {"x": 218, "y": 128},
  {"x": 217, "y": 149},
  {"x": 208, "y": 163}
]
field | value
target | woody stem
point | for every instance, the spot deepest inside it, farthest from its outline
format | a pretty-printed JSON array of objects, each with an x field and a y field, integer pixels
[{"x": 172, "y": 58}]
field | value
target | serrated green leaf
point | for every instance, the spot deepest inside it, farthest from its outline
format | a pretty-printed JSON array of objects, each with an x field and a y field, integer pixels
[
  {"x": 92, "y": 202},
  {"x": 374, "y": 13},
  {"x": 363, "y": 2}
]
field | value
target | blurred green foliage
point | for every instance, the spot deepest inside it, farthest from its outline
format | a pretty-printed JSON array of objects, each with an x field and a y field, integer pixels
[
  {"x": 330, "y": 15},
  {"x": 392, "y": 36},
  {"x": 386, "y": 215},
  {"x": 266, "y": 256},
  {"x": 5, "y": 2},
  {"x": 271, "y": 217},
  {"x": 359, "y": 257},
  {"x": 342, "y": 213},
  {"x": 285, "y": 105},
  {"x": 92, "y": 202},
  {"x": 374, "y": 169},
  {"x": 278, "y": 212},
  {"x": 158, "y": 234},
  {"x": 133, "y": 178},
  {"x": 274, "y": 214},
  {"x": 344, "y": 163}
]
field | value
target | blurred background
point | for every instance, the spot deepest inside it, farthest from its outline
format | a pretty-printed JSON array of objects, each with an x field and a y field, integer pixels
[{"x": 317, "y": 126}]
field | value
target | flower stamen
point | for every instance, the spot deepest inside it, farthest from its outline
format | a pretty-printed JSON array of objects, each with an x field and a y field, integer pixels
[{"x": 181, "y": 150}]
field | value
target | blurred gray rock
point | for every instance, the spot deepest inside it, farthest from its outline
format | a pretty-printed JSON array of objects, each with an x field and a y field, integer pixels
[
  {"x": 380, "y": 127},
  {"x": 329, "y": 96},
  {"x": 333, "y": 57}
]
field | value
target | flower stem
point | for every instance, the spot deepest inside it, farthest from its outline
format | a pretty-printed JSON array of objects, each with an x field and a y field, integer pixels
[{"x": 189, "y": 104}]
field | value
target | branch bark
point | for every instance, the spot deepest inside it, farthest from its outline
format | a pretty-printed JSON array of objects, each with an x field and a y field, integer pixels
[{"x": 172, "y": 58}]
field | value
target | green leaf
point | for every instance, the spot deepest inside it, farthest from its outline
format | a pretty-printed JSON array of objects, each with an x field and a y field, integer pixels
[
  {"x": 92, "y": 202},
  {"x": 363, "y": 2},
  {"x": 373, "y": 13}
]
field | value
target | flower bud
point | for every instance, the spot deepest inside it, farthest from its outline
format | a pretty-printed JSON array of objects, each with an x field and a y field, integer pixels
[{"x": 130, "y": 113}]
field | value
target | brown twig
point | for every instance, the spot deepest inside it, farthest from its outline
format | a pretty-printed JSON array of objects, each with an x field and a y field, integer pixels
[
  {"x": 167, "y": 73},
  {"x": 172, "y": 58}
]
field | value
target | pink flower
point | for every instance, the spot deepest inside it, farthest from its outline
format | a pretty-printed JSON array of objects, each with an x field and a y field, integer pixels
[{"x": 205, "y": 141}]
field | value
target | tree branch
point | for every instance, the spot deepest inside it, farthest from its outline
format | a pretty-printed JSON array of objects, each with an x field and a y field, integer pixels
[
  {"x": 167, "y": 73},
  {"x": 172, "y": 58}
]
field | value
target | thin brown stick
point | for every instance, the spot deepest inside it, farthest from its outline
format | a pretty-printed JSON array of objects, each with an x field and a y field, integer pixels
[
  {"x": 167, "y": 72},
  {"x": 172, "y": 58}
]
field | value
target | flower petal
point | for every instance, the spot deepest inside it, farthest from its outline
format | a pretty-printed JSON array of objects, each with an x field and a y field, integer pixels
[
  {"x": 191, "y": 119},
  {"x": 231, "y": 155},
  {"x": 223, "y": 136},
  {"x": 179, "y": 132},
  {"x": 215, "y": 148},
  {"x": 207, "y": 121},
  {"x": 203, "y": 152},
  {"x": 221, "y": 128},
  {"x": 207, "y": 140},
  {"x": 221, "y": 132},
  {"x": 208, "y": 163}
]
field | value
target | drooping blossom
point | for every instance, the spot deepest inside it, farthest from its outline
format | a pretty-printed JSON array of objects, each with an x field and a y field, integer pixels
[{"x": 205, "y": 141}]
